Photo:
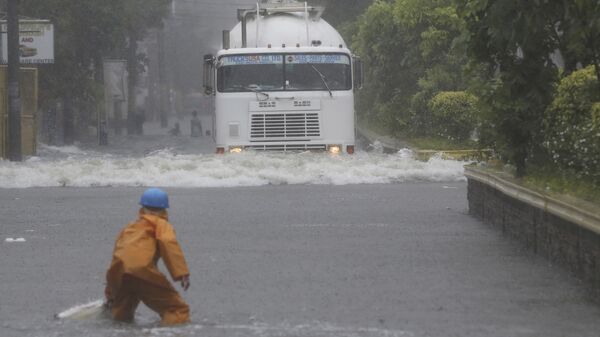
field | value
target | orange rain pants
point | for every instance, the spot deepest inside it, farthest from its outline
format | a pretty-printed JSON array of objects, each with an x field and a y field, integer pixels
[
  {"x": 166, "y": 302},
  {"x": 133, "y": 275}
]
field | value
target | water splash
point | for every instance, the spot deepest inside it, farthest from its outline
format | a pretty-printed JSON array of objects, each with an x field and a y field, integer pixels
[
  {"x": 73, "y": 167},
  {"x": 91, "y": 310},
  {"x": 314, "y": 329}
]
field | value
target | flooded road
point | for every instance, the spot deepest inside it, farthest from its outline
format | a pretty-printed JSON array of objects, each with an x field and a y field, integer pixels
[
  {"x": 397, "y": 259},
  {"x": 303, "y": 244},
  {"x": 156, "y": 160}
]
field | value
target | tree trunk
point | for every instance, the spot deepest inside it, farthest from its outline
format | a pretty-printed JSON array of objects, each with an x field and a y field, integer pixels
[
  {"x": 162, "y": 80},
  {"x": 133, "y": 75},
  {"x": 597, "y": 68},
  {"x": 68, "y": 121},
  {"x": 14, "y": 96}
]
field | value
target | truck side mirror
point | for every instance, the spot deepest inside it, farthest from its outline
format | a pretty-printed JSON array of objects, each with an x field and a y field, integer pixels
[
  {"x": 359, "y": 74},
  {"x": 209, "y": 74}
]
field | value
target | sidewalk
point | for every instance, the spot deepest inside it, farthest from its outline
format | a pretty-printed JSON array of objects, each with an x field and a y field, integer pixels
[
  {"x": 157, "y": 138},
  {"x": 372, "y": 139},
  {"x": 393, "y": 145}
]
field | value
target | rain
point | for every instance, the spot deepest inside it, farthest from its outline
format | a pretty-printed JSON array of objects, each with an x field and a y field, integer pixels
[{"x": 316, "y": 162}]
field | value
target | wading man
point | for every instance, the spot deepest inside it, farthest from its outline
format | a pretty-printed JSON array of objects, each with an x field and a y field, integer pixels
[{"x": 133, "y": 275}]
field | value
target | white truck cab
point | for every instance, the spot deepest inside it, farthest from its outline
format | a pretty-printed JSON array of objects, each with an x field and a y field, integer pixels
[{"x": 283, "y": 81}]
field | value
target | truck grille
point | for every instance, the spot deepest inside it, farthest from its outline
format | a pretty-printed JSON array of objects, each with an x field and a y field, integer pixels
[
  {"x": 289, "y": 147},
  {"x": 289, "y": 126}
]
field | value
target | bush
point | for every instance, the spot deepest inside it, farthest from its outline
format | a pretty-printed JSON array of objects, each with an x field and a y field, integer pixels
[
  {"x": 596, "y": 116},
  {"x": 453, "y": 114},
  {"x": 572, "y": 125}
]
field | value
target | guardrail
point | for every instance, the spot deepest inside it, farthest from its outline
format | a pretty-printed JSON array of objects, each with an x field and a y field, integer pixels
[
  {"x": 477, "y": 155},
  {"x": 566, "y": 233},
  {"x": 572, "y": 213},
  {"x": 392, "y": 145}
]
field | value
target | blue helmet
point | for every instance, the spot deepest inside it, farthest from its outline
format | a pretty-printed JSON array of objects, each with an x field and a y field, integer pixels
[{"x": 155, "y": 197}]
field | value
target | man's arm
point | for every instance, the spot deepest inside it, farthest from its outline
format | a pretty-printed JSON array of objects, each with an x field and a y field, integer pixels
[{"x": 171, "y": 252}]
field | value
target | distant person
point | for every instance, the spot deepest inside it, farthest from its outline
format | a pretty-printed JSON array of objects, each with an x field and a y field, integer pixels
[
  {"x": 175, "y": 131},
  {"x": 133, "y": 275},
  {"x": 140, "y": 118},
  {"x": 195, "y": 125},
  {"x": 103, "y": 134}
]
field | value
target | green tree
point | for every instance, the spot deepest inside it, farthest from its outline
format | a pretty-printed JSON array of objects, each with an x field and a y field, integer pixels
[
  {"x": 454, "y": 115},
  {"x": 435, "y": 26},
  {"x": 411, "y": 53},
  {"x": 339, "y": 12},
  {"x": 572, "y": 125},
  {"x": 382, "y": 44},
  {"x": 579, "y": 34},
  {"x": 515, "y": 39},
  {"x": 86, "y": 32},
  {"x": 378, "y": 41},
  {"x": 138, "y": 17}
]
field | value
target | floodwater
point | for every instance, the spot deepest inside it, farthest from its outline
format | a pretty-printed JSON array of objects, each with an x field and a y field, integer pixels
[
  {"x": 297, "y": 244},
  {"x": 401, "y": 259},
  {"x": 157, "y": 159},
  {"x": 106, "y": 328},
  {"x": 181, "y": 165}
]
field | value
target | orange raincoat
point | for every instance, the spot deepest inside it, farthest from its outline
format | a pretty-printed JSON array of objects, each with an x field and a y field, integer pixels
[{"x": 133, "y": 275}]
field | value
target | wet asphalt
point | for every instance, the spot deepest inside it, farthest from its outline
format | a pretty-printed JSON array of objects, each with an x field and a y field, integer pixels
[{"x": 360, "y": 260}]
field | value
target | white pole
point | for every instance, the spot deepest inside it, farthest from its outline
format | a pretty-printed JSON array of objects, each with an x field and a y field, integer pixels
[
  {"x": 306, "y": 17},
  {"x": 257, "y": 22}
]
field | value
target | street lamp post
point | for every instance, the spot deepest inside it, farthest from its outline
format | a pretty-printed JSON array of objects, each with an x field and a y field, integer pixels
[{"x": 14, "y": 96}]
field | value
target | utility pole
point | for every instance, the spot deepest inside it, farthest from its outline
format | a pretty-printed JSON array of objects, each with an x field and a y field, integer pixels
[
  {"x": 14, "y": 96},
  {"x": 162, "y": 80},
  {"x": 131, "y": 83}
]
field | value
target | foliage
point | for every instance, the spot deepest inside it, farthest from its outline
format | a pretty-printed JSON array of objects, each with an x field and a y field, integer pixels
[
  {"x": 380, "y": 42},
  {"x": 507, "y": 53},
  {"x": 549, "y": 180},
  {"x": 454, "y": 115},
  {"x": 410, "y": 54},
  {"x": 442, "y": 56},
  {"x": 515, "y": 39},
  {"x": 86, "y": 32},
  {"x": 595, "y": 111},
  {"x": 571, "y": 128},
  {"x": 580, "y": 34},
  {"x": 339, "y": 12},
  {"x": 438, "y": 143},
  {"x": 140, "y": 15}
]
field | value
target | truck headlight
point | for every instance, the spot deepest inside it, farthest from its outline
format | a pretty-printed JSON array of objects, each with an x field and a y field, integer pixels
[
  {"x": 334, "y": 149},
  {"x": 235, "y": 149}
]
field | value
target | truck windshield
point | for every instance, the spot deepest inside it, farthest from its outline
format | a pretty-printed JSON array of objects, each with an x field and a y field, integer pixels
[{"x": 284, "y": 72}]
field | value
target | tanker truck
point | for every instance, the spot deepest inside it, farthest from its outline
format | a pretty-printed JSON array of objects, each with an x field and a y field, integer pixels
[{"x": 284, "y": 80}]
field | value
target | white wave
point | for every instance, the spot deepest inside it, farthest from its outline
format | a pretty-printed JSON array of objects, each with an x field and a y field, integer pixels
[
  {"x": 69, "y": 150},
  {"x": 168, "y": 169},
  {"x": 83, "y": 311},
  {"x": 265, "y": 330}
]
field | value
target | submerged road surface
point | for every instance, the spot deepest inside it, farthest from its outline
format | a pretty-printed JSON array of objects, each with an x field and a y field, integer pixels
[{"x": 291, "y": 260}]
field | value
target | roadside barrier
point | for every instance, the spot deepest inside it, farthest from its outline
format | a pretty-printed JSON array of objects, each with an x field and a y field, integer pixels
[{"x": 567, "y": 233}]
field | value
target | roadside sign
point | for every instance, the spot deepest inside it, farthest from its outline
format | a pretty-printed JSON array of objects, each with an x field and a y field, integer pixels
[{"x": 36, "y": 42}]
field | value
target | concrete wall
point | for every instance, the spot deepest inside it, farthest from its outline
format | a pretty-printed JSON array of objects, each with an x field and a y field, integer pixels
[{"x": 561, "y": 238}]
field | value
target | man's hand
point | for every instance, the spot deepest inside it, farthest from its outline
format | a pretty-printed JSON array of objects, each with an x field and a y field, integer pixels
[
  {"x": 185, "y": 282},
  {"x": 108, "y": 298}
]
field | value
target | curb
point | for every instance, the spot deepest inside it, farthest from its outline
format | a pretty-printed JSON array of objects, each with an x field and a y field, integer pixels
[
  {"x": 391, "y": 145},
  {"x": 577, "y": 215},
  {"x": 477, "y": 155}
]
